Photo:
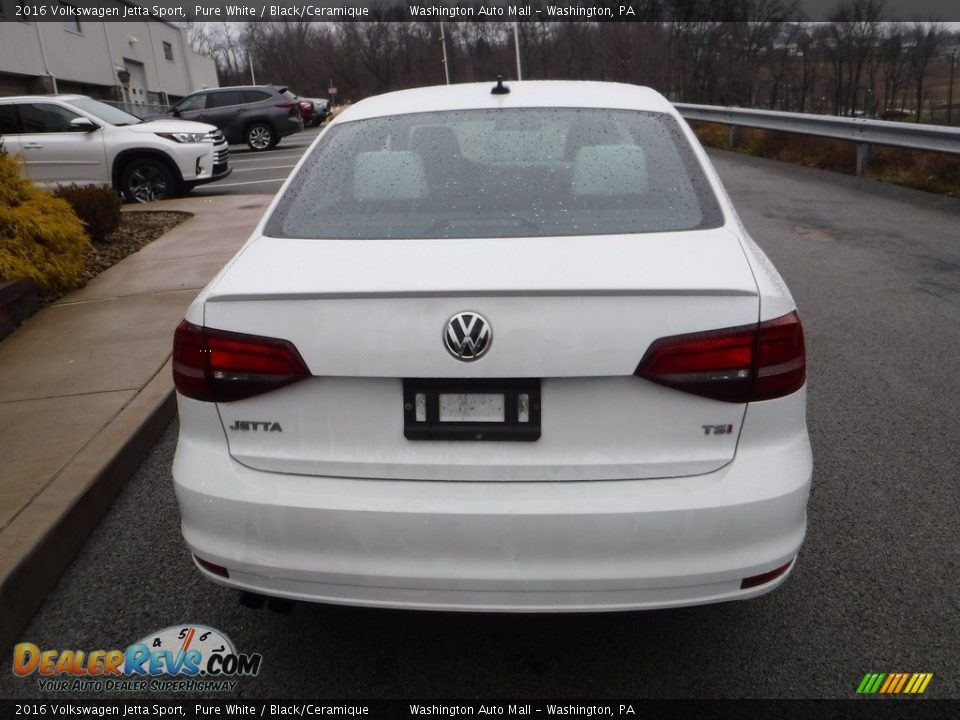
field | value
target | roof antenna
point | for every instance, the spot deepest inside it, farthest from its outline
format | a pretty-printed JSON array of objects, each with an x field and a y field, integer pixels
[{"x": 500, "y": 88}]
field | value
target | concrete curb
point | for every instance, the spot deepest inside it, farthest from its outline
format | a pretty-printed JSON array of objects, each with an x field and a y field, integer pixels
[{"x": 40, "y": 550}]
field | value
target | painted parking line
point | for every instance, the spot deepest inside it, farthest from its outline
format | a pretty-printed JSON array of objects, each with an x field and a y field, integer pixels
[
  {"x": 292, "y": 152},
  {"x": 248, "y": 182},
  {"x": 293, "y": 157},
  {"x": 289, "y": 160},
  {"x": 257, "y": 169}
]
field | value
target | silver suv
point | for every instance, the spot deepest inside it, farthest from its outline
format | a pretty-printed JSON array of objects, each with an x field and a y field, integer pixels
[{"x": 63, "y": 139}]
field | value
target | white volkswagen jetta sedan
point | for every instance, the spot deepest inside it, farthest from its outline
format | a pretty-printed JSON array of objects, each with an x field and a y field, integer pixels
[{"x": 496, "y": 348}]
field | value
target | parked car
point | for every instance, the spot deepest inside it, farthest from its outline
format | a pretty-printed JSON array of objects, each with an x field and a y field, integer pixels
[
  {"x": 64, "y": 139},
  {"x": 258, "y": 115},
  {"x": 320, "y": 112},
  {"x": 307, "y": 113},
  {"x": 485, "y": 352}
]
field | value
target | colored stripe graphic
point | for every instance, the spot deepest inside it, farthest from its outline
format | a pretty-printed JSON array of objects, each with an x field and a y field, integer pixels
[
  {"x": 870, "y": 683},
  {"x": 894, "y": 683}
]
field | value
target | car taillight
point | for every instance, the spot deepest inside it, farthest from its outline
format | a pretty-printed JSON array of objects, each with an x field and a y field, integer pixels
[
  {"x": 740, "y": 364},
  {"x": 220, "y": 366}
]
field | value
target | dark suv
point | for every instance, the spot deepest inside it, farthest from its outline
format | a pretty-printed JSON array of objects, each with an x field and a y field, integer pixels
[{"x": 258, "y": 115}]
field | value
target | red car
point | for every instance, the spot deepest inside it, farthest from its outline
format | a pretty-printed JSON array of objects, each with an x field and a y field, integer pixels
[
  {"x": 307, "y": 112},
  {"x": 314, "y": 111}
]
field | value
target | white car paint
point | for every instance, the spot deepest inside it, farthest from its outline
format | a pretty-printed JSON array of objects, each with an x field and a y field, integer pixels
[
  {"x": 636, "y": 494},
  {"x": 99, "y": 156}
]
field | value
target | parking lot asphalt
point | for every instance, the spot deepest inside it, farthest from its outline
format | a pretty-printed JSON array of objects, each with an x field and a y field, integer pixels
[
  {"x": 876, "y": 274},
  {"x": 261, "y": 172}
]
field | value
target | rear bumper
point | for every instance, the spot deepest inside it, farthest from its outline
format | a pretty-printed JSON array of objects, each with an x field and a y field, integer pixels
[
  {"x": 518, "y": 599},
  {"x": 524, "y": 546},
  {"x": 289, "y": 126}
]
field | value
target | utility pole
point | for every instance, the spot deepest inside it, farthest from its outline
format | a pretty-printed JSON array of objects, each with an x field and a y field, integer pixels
[
  {"x": 443, "y": 43},
  {"x": 516, "y": 45}
]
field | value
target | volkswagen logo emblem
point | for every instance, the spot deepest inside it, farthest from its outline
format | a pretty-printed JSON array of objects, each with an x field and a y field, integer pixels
[{"x": 467, "y": 336}]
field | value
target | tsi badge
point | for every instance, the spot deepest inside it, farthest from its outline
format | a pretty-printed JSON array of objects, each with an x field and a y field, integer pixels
[
  {"x": 198, "y": 658},
  {"x": 717, "y": 429}
]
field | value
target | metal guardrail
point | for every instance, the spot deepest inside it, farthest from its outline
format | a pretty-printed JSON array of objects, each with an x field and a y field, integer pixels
[{"x": 862, "y": 131}]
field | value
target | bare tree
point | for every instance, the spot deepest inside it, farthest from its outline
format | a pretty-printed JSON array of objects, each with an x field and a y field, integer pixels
[
  {"x": 850, "y": 39},
  {"x": 803, "y": 69},
  {"x": 896, "y": 65},
  {"x": 756, "y": 53},
  {"x": 376, "y": 48},
  {"x": 922, "y": 48},
  {"x": 281, "y": 52},
  {"x": 222, "y": 42}
]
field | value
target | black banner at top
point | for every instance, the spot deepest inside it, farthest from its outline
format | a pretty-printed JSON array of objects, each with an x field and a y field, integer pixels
[{"x": 455, "y": 10}]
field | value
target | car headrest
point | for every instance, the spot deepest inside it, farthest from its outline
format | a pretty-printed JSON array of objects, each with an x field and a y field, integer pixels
[
  {"x": 437, "y": 140},
  {"x": 389, "y": 175},
  {"x": 610, "y": 170}
]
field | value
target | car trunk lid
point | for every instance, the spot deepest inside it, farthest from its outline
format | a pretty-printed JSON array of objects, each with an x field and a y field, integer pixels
[{"x": 576, "y": 314}]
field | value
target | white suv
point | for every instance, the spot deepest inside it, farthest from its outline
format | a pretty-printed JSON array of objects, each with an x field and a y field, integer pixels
[{"x": 63, "y": 139}]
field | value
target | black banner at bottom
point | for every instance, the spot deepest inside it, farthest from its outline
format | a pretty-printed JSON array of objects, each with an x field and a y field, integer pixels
[{"x": 651, "y": 709}]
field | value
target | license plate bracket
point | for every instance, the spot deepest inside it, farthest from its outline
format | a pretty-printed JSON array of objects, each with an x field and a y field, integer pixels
[{"x": 471, "y": 409}]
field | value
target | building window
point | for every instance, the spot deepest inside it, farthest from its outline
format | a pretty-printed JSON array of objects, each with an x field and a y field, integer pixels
[
  {"x": 168, "y": 51},
  {"x": 72, "y": 25}
]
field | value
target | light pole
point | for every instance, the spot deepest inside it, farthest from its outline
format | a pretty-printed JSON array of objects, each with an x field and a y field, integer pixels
[
  {"x": 443, "y": 43},
  {"x": 953, "y": 62},
  {"x": 516, "y": 45}
]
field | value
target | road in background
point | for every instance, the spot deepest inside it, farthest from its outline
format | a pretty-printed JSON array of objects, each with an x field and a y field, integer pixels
[
  {"x": 876, "y": 273},
  {"x": 261, "y": 172}
]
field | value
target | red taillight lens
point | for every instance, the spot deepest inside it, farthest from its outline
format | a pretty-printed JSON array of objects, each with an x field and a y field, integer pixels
[
  {"x": 781, "y": 358},
  {"x": 212, "y": 567},
  {"x": 220, "y": 366},
  {"x": 740, "y": 364},
  {"x": 757, "y": 580}
]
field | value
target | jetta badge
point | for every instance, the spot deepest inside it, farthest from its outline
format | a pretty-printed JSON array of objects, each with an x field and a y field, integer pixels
[{"x": 468, "y": 336}]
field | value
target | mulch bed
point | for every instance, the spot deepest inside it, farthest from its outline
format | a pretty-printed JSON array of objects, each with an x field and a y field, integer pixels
[{"x": 137, "y": 229}]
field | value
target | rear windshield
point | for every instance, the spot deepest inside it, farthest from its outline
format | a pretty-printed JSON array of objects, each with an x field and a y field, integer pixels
[{"x": 525, "y": 172}]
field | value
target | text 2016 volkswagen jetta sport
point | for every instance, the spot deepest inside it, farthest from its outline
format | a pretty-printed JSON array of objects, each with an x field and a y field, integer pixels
[{"x": 503, "y": 350}]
